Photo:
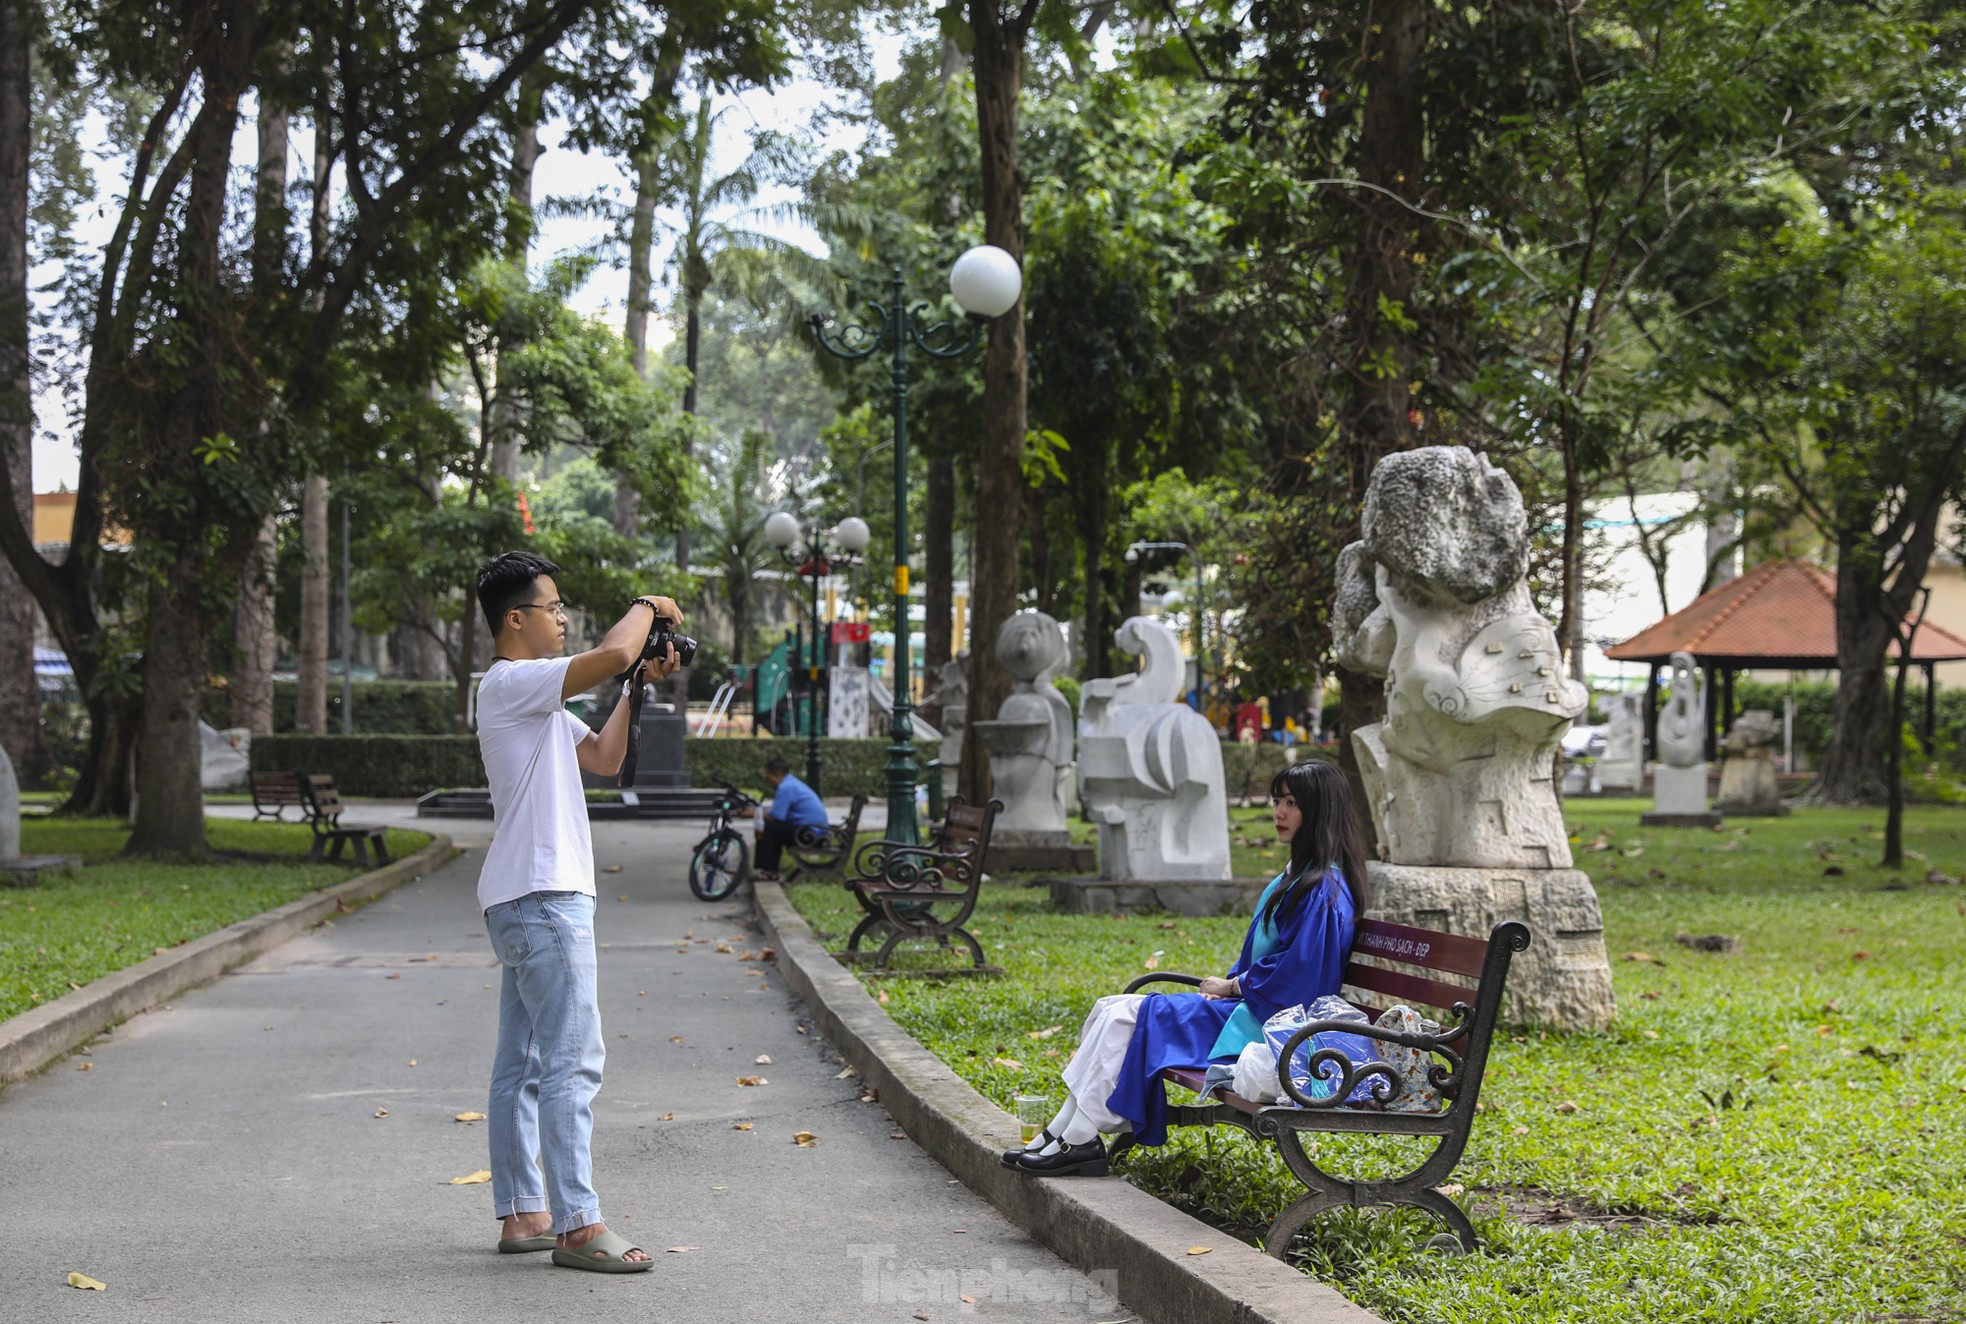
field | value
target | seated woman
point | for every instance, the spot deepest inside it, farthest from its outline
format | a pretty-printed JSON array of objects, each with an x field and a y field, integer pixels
[{"x": 1294, "y": 953}]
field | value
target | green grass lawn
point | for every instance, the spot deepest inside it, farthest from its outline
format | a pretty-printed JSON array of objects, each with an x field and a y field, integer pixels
[
  {"x": 1773, "y": 1136},
  {"x": 115, "y": 912}
]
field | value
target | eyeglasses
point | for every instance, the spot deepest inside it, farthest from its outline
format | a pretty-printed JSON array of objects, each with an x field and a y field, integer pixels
[{"x": 559, "y": 609}]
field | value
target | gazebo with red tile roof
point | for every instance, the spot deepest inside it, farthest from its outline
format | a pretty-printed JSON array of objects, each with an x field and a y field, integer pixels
[{"x": 1779, "y": 615}]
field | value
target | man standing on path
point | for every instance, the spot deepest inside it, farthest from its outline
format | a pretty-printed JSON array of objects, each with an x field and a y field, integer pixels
[
  {"x": 793, "y": 805},
  {"x": 537, "y": 894}
]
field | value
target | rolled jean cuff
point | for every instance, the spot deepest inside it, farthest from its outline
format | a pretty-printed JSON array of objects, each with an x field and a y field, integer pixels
[
  {"x": 576, "y": 1220},
  {"x": 523, "y": 1204}
]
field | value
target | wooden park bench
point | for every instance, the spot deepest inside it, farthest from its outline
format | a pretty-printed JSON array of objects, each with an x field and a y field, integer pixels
[
  {"x": 826, "y": 850},
  {"x": 275, "y": 792},
  {"x": 324, "y": 816},
  {"x": 1406, "y": 967},
  {"x": 923, "y": 892}
]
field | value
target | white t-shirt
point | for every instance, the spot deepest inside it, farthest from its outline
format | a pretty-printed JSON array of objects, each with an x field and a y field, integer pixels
[{"x": 529, "y": 740}]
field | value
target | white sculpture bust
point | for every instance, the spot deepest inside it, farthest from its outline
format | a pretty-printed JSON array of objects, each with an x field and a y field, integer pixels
[
  {"x": 1432, "y": 599},
  {"x": 1030, "y": 741},
  {"x": 1150, "y": 768},
  {"x": 1682, "y": 723}
]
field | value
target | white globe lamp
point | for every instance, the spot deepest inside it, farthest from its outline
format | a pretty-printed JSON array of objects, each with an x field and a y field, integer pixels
[
  {"x": 781, "y": 530},
  {"x": 986, "y": 281},
  {"x": 853, "y": 534}
]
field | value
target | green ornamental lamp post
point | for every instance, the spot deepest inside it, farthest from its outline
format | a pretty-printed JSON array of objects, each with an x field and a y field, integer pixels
[
  {"x": 822, "y": 549},
  {"x": 986, "y": 283}
]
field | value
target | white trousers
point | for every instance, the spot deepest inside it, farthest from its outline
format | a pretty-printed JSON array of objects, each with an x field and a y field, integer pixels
[{"x": 1094, "y": 1070}]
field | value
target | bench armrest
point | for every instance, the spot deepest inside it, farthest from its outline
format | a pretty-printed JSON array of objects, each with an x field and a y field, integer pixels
[
  {"x": 903, "y": 866},
  {"x": 1192, "y": 981},
  {"x": 1386, "y": 1082}
]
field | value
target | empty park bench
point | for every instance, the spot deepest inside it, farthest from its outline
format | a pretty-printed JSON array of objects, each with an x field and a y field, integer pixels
[
  {"x": 826, "y": 850},
  {"x": 276, "y": 792},
  {"x": 923, "y": 892},
  {"x": 324, "y": 816},
  {"x": 1461, "y": 1045}
]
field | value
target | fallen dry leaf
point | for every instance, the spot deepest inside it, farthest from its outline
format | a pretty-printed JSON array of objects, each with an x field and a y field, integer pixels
[
  {"x": 1862, "y": 954},
  {"x": 382, "y": 1112},
  {"x": 1008, "y": 1063},
  {"x": 666, "y": 1117},
  {"x": 1634, "y": 852},
  {"x": 804, "y": 1139},
  {"x": 683, "y": 1250},
  {"x": 395, "y": 976},
  {"x": 723, "y": 947},
  {"x": 1566, "y": 1107},
  {"x": 740, "y": 1126},
  {"x": 1200, "y": 1250},
  {"x": 412, "y": 1061},
  {"x": 748, "y": 956},
  {"x": 1650, "y": 1034},
  {"x": 1045, "y": 1033},
  {"x": 86, "y": 1283},
  {"x": 1520, "y": 1131},
  {"x": 1639, "y": 956},
  {"x": 1602, "y": 842},
  {"x": 469, "y": 1117},
  {"x": 1152, "y": 962},
  {"x": 969, "y": 1300},
  {"x": 763, "y": 1059},
  {"x": 767, "y": 954},
  {"x": 612, "y": 868},
  {"x": 847, "y": 1071},
  {"x": 752, "y": 1080},
  {"x": 883, "y": 997},
  {"x": 478, "y": 1178},
  {"x": 622, "y": 897},
  {"x": 85, "y": 1066},
  {"x": 675, "y": 1038}
]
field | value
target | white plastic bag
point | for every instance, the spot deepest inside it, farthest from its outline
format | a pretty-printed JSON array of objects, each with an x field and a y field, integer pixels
[{"x": 1256, "y": 1073}]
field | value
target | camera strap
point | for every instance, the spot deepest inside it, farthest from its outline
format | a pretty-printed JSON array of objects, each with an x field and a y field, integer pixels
[{"x": 634, "y": 755}]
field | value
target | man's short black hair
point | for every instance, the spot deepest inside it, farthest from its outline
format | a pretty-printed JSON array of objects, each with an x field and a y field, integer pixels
[
  {"x": 506, "y": 582},
  {"x": 777, "y": 767}
]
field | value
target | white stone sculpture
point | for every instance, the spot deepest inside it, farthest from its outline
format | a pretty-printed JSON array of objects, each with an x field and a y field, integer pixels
[
  {"x": 1030, "y": 739},
  {"x": 1457, "y": 776},
  {"x": 1476, "y": 702},
  {"x": 951, "y": 699},
  {"x": 1150, "y": 767},
  {"x": 1622, "y": 766},
  {"x": 1679, "y": 782},
  {"x": 1747, "y": 775},
  {"x": 9, "y": 810}
]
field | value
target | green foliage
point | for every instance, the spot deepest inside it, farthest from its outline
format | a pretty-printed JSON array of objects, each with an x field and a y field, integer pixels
[
  {"x": 115, "y": 913},
  {"x": 382, "y": 707},
  {"x": 847, "y": 767},
  {"x": 1764, "y": 1137},
  {"x": 381, "y": 765}
]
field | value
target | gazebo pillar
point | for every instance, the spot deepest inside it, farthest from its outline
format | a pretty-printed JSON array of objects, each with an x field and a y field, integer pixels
[
  {"x": 1651, "y": 713},
  {"x": 1726, "y": 700},
  {"x": 1931, "y": 704},
  {"x": 1712, "y": 715}
]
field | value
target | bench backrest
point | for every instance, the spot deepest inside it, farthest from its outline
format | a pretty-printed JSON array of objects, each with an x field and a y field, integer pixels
[
  {"x": 278, "y": 788},
  {"x": 966, "y": 828},
  {"x": 322, "y": 793},
  {"x": 1461, "y": 977}
]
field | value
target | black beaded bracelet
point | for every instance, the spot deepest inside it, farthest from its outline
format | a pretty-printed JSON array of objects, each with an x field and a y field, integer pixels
[{"x": 646, "y": 602}]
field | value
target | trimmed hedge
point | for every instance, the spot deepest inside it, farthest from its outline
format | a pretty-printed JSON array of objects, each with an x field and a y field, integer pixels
[
  {"x": 388, "y": 765},
  {"x": 382, "y": 707},
  {"x": 846, "y": 767}
]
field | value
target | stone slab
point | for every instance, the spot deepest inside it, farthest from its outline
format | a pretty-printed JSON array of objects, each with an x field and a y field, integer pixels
[
  {"x": 31, "y": 869},
  {"x": 1708, "y": 819},
  {"x": 1679, "y": 790},
  {"x": 1563, "y": 981},
  {"x": 1060, "y": 857},
  {"x": 1198, "y": 897},
  {"x": 1103, "y": 1226},
  {"x": 1723, "y": 809},
  {"x": 37, "y": 1037}
]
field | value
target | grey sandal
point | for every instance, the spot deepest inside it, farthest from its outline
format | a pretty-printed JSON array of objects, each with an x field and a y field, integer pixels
[
  {"x": 603, "y": 1255},
  {"x": 526, "y": 1245}
]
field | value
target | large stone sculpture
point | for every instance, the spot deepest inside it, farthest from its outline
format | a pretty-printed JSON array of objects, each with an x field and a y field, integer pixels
[
  {"x": 1150, "y": 768},
  {"x": 17, "y": 869},
  {"x": 1679, "y": 782},
  {"x": 1622, "y": 766},
  {"x": 1748, "y": 788},
  {"x": 950, "y": 713},
  {"x": 1030, "y": 739},
  {"x": 1457, "y": 776}
]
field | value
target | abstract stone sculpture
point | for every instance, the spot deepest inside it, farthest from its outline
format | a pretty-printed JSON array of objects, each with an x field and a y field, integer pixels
[
  {"x": 1622, "y": 767},
  {"x": 1679, "y": 782},
  {"x": 951, "y": 702},
  {"x": 1476, "y": 702},
  {"x": 1030, "y": 740},
  {"x": 1457, "y": 776},
  {"x": 1747, "y": 776},
  {"x": 1150, "y": 768},
  {"x": 15, "y": 868}
]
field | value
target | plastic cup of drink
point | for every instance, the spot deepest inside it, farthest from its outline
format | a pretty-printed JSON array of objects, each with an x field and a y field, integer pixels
[{"x": 1033, "y": 1111}]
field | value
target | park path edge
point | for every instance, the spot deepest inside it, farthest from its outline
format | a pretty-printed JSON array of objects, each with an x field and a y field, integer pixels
[
  {"x": 1099, "y": 1226},
  {"x": 40, "y": 1035}
]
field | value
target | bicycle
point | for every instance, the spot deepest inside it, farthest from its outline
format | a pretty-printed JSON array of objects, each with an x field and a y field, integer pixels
[{"x": 721, "y": 861}]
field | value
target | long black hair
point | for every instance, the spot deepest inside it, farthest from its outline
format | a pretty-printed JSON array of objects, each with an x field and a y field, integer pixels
[{"x": 1330, "y": 836}]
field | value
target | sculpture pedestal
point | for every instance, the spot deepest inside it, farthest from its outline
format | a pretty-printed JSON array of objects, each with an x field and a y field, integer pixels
[
  {"x": 27, "y": 870},
  {"x": 1197, "y": 897},
  {"x": 1748, "y": 789},
  {"x": 1679, "y": 798},
  {"x": 1563, "y": 981},
  {"x": 1050, "y": 852}
]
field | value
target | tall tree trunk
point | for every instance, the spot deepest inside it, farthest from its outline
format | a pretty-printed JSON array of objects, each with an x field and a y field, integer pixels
[
  {"x": 170, "y": 805},
  {"x": 518, "y": 239},
  {"x": 998, "y": 57},
  {"x": 939, "y": 546},
  {"x": 641, "y": 249},
  {"x": 1854, "y": 766},
  {"x": 692, "y": 351},
  {"x": 311, "y": 696},
  {"x": 1089, "y": 504},
  {"x": 20, "y": 700},
  {"x": 251, "y": 689}
]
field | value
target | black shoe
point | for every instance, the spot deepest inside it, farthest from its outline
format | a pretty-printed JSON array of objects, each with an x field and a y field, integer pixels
[
  {"x": 1087, "y": 1160},
  {"x": 1010, "y": 1156}
]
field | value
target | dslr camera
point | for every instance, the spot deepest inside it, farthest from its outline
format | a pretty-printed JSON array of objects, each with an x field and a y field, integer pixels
[{"x": 662, "y": 631}]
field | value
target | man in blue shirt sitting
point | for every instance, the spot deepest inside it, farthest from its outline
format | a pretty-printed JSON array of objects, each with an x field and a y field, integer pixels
[{"x": 794, "y": 805}]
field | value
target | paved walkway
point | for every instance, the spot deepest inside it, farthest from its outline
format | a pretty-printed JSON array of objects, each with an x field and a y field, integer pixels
[{"x": 223, "y": 1159}]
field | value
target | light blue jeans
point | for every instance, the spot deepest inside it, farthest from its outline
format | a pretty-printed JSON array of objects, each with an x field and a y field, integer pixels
[{"x": 547, "y": 1069}]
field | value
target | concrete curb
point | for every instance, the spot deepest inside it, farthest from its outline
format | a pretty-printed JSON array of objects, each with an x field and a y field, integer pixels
[
  {"x": 35, "y": 1038},
  {"x": 1102, "y": 1227}
]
